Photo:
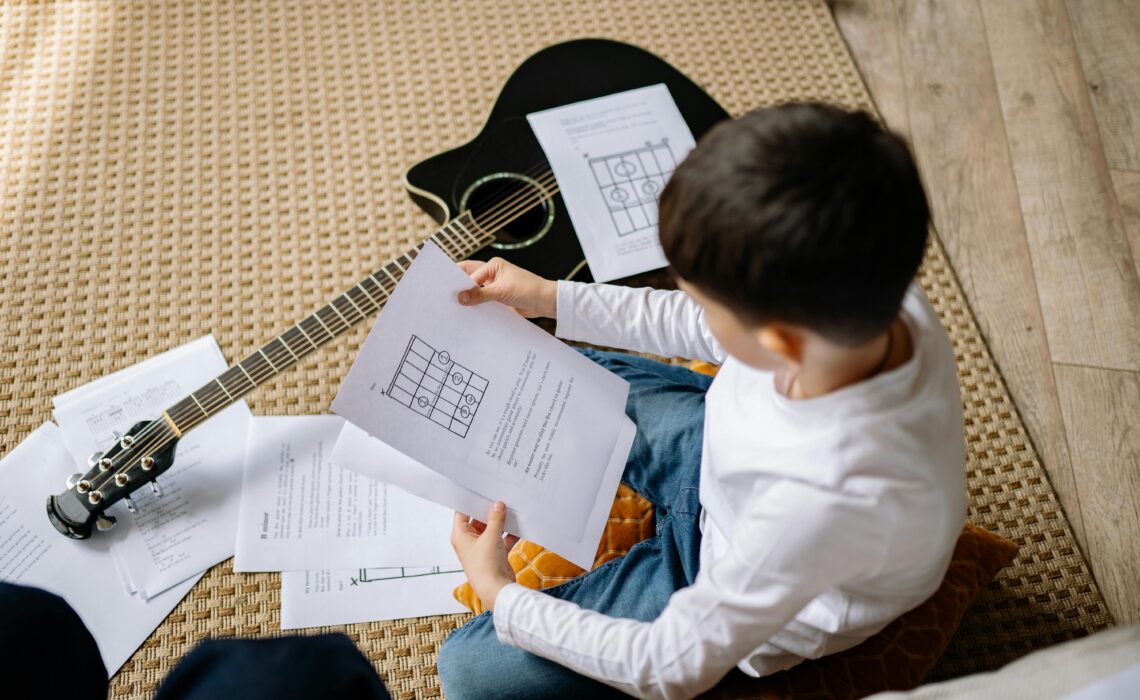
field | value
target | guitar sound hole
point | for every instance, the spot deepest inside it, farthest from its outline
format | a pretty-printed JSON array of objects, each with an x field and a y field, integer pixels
[{"x": 515, "y": 207}]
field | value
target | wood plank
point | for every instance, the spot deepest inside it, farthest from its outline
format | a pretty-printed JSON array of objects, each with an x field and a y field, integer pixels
[
  {"x": 940, "y": 77},
  {"x": 1107, "y": 33},
  {"x": 1127, "y": 185},
  {"x": 1087, "y": 282},
  {"x": 1100, "y": 409},
  {"x": 870, "y": 28}
]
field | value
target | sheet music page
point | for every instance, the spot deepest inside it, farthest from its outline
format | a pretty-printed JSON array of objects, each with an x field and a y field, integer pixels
[
  {"x": 345, "y": 596},
  {"x": 492, "y": 402},
  {"x": 299, "y": 511},
  {"x": 612, "y": 156},
  {"x": 82, "y": 572},
  {"x": 190, "y": 528}
]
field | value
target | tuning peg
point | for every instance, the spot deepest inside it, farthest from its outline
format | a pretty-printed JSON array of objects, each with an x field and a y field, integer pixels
[
  {"x": 73, "y": 480},
  {"x": 105, "y": 522},
  {"x": 156, "y": 489},
  {"x": 130, "y": 505},
  {"x": 94, "y": 458}
]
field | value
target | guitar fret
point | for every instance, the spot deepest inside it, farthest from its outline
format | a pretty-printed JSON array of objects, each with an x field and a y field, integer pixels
[
  {"x": 390, "y": 276},
  {"x": 396, "y": 262},
  {"x": 445, "y": 243},
  {"x": 317, "y": 315},
  {"x": 252, "y": 383},
  {"x": 267, "y": 360},
  {"x": 199, "y": 405},
  {"x": 474, "y": 241},
  {"x": 350, "y": 301},
  {"x": 298, "y": 327},
  {"x": 361, "y": 288},
  {"x": 281, "y": 339},
  {"x": 338, "y": 313},
  {"x": 223, "y": 388}
]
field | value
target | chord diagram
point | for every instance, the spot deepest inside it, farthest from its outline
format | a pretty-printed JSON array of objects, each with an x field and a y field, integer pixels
[
  {"x": 433, "y": 385},
  {"x": 630, "y": 183}
]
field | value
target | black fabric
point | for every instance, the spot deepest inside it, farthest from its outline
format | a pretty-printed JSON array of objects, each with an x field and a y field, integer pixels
[
  {"x": 45, "y": 648},
  {"x": 326, "y": 666},
  {"x": 48, "y": 653}
]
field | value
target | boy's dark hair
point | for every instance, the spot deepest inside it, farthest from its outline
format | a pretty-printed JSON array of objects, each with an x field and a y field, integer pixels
[{"x": 802, "y": 213}]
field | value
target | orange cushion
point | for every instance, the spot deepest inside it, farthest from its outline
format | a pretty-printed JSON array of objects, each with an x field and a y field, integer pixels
[{"x": 630, "y": 521}]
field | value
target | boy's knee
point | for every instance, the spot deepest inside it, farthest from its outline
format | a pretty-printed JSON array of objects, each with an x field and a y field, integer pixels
[{"x": 463, "y": 662}]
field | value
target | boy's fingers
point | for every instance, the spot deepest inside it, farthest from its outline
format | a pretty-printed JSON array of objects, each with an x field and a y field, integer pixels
[
  {"x": 470, "y": 266},
  {"x": 478, "y": 295},
  {"x": 459, "y": 526},
  {"x": 510, "y": 541},
  {"x": 495, "y": 520}
]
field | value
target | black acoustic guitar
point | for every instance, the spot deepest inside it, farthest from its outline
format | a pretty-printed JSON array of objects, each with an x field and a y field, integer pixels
[
  {"x": 505, "y": 158},
  {"x": 494, "y": 196}
]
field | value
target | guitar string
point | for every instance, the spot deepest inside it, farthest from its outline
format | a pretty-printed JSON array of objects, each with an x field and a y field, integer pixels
[{"x": 503, "y": 213}]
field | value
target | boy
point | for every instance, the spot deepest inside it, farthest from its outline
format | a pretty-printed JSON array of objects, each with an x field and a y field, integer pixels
[{"x": 808, "y": 495}]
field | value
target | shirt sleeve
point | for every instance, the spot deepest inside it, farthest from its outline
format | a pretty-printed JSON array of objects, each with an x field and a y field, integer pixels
[
  {"x": 796, "y": 542},
  {"x": 666, "y": 323}
]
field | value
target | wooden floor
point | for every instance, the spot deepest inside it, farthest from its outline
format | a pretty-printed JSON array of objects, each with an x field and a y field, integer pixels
[{"x": 1025, "y": 119}]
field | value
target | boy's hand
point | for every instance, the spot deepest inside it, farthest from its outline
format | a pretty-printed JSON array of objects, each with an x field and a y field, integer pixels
[
  {"x": 498, "y": 280},
  {"x": 482, "y": 551}
]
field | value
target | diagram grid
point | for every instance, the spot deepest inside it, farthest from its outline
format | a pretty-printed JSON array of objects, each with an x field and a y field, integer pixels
[
  {"x": 433, "y": 385},
  {"x": 630, "y": 183}
]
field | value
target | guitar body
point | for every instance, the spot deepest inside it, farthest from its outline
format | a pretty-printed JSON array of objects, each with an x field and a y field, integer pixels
[{"x": 506, "y": 154}]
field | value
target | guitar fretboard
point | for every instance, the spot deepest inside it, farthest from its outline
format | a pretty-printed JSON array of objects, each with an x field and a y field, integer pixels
[{"x": 459, "y": 238}]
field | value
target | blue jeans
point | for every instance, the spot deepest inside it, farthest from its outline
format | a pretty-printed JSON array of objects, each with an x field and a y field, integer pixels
[{"x": 668, "y": 405}]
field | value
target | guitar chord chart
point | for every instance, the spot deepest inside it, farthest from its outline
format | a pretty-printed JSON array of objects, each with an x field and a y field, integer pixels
[
  {"x": 433, "y": 385},
  {"x": 630, "y": 183}
]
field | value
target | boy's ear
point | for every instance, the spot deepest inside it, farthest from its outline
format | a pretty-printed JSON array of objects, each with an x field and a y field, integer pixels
[{"x": 783, "y": 341}]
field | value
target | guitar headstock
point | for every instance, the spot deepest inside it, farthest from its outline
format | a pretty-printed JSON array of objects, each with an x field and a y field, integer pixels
[{"x": 136, "y": 458}]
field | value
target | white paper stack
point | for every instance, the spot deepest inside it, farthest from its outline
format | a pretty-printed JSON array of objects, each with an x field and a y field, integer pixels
[{"x": 350, "y": 548}]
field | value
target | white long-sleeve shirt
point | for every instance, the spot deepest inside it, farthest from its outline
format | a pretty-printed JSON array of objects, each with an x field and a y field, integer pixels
[{"x": 823, "y": 519}]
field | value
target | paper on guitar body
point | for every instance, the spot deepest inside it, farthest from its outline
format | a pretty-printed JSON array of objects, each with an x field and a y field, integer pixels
[
  {"x": 345, "y": 596},
  {"x": 190, "y": 528},
  {"x": 82, "y": 572},
  {"x": 299, "y": 511},
  {"x": 493, "y": 403},
  {"x": 612, "y": 156}
]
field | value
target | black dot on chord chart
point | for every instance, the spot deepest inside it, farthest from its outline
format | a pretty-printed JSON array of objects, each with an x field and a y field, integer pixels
[
  {"x": 650, "y": 187},
  {"x": 457, "y": 378},
  {"x": 464, "y": 411},
  {"x": 469, "y": 398},
  {"x": 619, "y": 195},
  {"x": 625, "y": 168},
  {"x": 443, "y": 357},
  {"x": 423, "y": 401}
]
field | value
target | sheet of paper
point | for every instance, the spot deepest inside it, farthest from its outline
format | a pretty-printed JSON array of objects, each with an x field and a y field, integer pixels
[
  {"x": 612, "y": 156},
  {"x": 345, "y": 596},
  {"x": 360, "y": 452},
  {"x": 299, "y": 511},
  {"x": 32, "y": 553},
  {"x": 490, "y": 401},
  {"x": 190, "y": 528}
]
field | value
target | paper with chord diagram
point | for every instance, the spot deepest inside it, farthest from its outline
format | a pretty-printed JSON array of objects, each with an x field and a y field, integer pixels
[
  {"x": 82, "y": 572},
  {"x": 490, "y": 401},
  {"x": 345, "y": 596},
  {"x": 299, "y": 511},
  {"x": 190, "y": 527},
  {"x": 612, "y": 157}
]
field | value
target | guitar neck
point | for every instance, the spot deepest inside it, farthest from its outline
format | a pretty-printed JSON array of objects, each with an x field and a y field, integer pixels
[{"x": 459, "y": 238}]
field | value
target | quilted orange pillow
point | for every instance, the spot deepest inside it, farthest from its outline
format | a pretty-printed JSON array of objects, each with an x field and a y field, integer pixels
[{"x": 631, "y": 521}]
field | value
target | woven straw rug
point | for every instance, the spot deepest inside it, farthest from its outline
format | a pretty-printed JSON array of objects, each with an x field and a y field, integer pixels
[{"x": 173, "y": 169}]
